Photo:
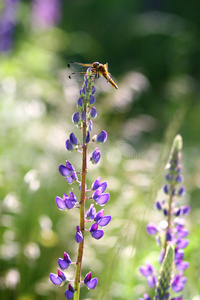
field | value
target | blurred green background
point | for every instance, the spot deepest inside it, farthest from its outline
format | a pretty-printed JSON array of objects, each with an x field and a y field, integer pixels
[{"x": 153, "y": 51}]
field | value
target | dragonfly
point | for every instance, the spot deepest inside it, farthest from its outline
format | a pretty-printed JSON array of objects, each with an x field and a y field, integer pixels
[{"x": 98, "y": 70}]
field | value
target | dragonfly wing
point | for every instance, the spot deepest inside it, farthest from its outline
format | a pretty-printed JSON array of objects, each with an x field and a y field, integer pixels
[
  {"x": 78, "y": 76},
  {"x": 78, "y": 67}
]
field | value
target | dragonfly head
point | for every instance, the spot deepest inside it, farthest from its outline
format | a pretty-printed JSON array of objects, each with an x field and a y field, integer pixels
[{"x": 96, "y": 64}]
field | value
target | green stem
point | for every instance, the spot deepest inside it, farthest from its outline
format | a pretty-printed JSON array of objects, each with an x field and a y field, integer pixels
[
  {"x": 169, "y": 216},
  {"x": 82, "y": 215}
]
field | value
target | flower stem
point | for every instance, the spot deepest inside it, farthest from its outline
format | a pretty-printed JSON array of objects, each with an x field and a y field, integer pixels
[
  {"x": 82, "y": 214},
  {"x": 169, "y": 216}
]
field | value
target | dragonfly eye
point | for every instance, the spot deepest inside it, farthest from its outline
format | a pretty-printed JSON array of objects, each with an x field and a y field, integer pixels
[{"x": 96, "y": 64}]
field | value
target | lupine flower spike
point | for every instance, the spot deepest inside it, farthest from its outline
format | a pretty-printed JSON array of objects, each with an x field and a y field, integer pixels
[
  {"x": 83, "y": 120},
  {"x": 170, "y": 231}
]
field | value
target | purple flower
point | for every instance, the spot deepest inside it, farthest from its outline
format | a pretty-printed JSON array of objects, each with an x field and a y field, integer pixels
[
  {"x": 97, "y": 183},
  {"x": 147, "y": 270},
  {"x": 57, "y": 279},
  {"x": 64, "y": 263},
  {"x": 158, "y": 205},
  {"x": 66, "y": 202},
  {"x": 93, "y": 112},
  {"x": 92, "y": 100},
  {"x": 67, "y": 170},
  {"x": 73, "y": 139},
  {"x": 95, "y": 232},
  {"x": 87, "y": 139},
  {"x": 181, "y": 265},
  {"x": 185, "y": 210},
  {"x": 79, "y": 235},
  {"x": 90, "y": 282},
  {"x": 100, "y": 188},
  {"x": 7, "y": 24},
  {"x": 69, "y": 145},
  {"x": 80, "y": 104},
  {"x": 151, "y": 280},
  {"x": 102, "y": 199},
  {"x": 69, "y": 294},
  {"x": 181, "y": 191},
  {"x": 179, "y": 178},
  {"x": 71, "y": 179},
  {"x": 45, "y": 13},
  {"x": 75, "y": 118},
  {"x": 90, "y": 214},
  {"x": 102, "y": 220},
  {"x": 83, "y": 90},
  {"x": 166, "y": 189},
  {"x": 95, "y": 157},
  {"x": 152, "y": 229},
  {"x": 101, "y": 137},
  {"x": 181, "y": 243},
  {"x": 93, "y": 90},
  {"x": 178, "y": 283}
]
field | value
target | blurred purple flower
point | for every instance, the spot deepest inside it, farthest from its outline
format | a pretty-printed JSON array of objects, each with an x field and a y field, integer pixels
[
  {"x": 7, "y": 24},
  {"x": 45, "y": 13}
]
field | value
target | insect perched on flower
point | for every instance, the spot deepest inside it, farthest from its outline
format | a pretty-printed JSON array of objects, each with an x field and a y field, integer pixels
[{"x": 97, "y": 71}]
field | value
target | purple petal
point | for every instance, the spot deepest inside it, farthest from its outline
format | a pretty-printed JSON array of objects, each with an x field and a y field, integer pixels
[
  {"x": 55, "y": 279},
  {"x": 87, "y": 139},
  {"x": 69, "y": 145},
  {"x": 64, "y": 171},
  {"x": 151, "y": 280},
  {"x": 76, "y": 118},
  {"x": 181, "y": 191},
  {"x": 69, "y": 294},
  {"x": 181, "y": 243},
  {"x": 104, "y": 221},
  {"x": 182, "y": 233},
  {"x": 60, "y": 203},
  {"x": 101, "y": 137},
  {"x": 166, "y": 189},
  {"x": 96, "y": 183},
  {"x": 103, "y": 199},
  {"x": 185, "y": 210},
  {"x": 97, "y": 234},
  {"x": 80, "y": 103},
  {"x": 182, "y": 266},
  {"x": 73, "y": 139},
  {"x": 99, "y": 215},
  {"x": 88, "y": 277},
  {"x": 92, "y": 100},
  {"x": 93, "y": 112},
  {"x": 179, "y": 285},
  {"x": 92, "y": 283},
  {"x": 152, "y": 228},
  {"x": 71, "y": 179},
  {"x": 158, "y": 205},
  {"x": 63, "y": 264},
  {"x": 95, "y": 157},
  {"x": 90, "y": 214},
  {"x": 146, "y": 270},
  {"x": 79, "y": 235}
]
